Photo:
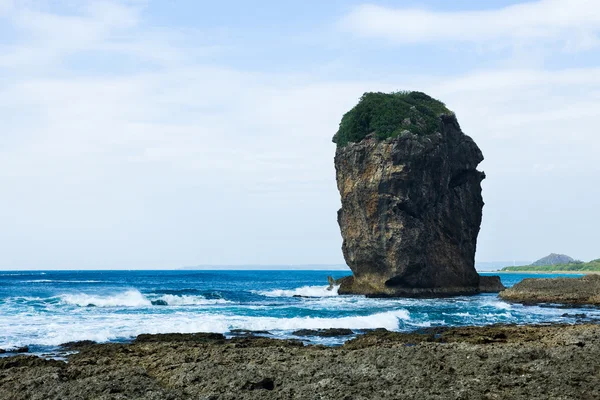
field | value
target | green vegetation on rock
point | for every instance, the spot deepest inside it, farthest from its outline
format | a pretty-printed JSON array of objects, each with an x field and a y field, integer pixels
[
  {"x": 574, "y": 266},
  {"x": 389, "y": 114}
]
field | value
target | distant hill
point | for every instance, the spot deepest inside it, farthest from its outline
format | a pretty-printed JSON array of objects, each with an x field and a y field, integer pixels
[
  {"x": 555, "y": 259},
  {"x": 575, "y": 266}
]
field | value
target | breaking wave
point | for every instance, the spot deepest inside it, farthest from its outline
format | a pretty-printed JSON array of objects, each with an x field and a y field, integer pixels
[
  {"x": 130, "y": 298},
  {"x": 133, "y": 298},
  {"x": 108, "y": 329},
  {"x": 305, "y": 291}
]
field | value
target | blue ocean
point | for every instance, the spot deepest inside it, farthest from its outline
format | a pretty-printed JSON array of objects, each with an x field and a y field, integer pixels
[{"x": 42, "y": 309}]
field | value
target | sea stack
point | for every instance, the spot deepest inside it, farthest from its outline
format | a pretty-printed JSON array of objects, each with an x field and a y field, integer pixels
[{"x": 411, "y": 199}]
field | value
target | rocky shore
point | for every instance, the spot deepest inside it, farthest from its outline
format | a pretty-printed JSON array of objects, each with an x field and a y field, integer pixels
[
  {"x": 495, "y": 362},
  {"x": 580, "y": 291}
]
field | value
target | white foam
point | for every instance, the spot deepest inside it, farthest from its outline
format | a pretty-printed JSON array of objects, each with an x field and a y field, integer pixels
[
  {"x": 388, "y": 320},
  {"x": 305, "y": 291},
  {"x": 502, "y": 305},
  {"x": 130, "y": 298},
  {"x": 185, "y": 300},
  {"x": 133, "y": 298},
  {"x": 38, "y": 330}
]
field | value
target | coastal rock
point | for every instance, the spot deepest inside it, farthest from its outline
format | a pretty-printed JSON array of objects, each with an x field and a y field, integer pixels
[
  {"x": 492, "y": 362},
  {"x": 248, "y": 332},
  {"x": 490, "y": 284},
  {"x": 411, "y": 212},
  {"x": 331, "y": 332},
  {"x": 584, "y": 290},
  {"x": 200, "y": 337}
]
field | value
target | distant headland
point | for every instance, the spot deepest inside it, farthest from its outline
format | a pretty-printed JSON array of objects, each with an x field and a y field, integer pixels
[{"x": 557, "y": 263}]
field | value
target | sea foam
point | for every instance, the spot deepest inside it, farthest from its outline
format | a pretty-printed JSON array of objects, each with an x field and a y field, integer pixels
[
  {"x": 134, "y": 298},
  {"x": 130, "y": 298},
  {"x": 38, "y": 331},
  {"x": 304, "y": 291}
]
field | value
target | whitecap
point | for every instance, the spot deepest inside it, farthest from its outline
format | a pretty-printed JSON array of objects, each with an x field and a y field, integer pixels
[
  {"x": 187, "y": 300},
  {"x": 130, "y": 298},
  {"x": 37, "y": 330},
  {"x": 304, "y": 291},
  {"x": 388, "y": 320}
]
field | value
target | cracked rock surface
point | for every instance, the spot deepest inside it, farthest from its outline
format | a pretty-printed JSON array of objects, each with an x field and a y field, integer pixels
[
  {"x": 411, "y": 212},
  {"x": 495, "y": 362}
]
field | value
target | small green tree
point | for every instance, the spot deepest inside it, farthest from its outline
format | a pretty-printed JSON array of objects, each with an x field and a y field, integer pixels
[{"x": 389, "y": 114}]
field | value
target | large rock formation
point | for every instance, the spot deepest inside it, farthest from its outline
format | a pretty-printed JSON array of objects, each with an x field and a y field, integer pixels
[{"x": 411, "y": 203}]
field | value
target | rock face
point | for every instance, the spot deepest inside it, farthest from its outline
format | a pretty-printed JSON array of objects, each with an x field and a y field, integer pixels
[
  {"x": 411, "y": 211},
  {"x": 580, "y": 291}
]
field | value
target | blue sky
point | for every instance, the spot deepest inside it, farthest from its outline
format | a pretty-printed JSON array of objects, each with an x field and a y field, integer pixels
[{"x": 152, "y": 134}]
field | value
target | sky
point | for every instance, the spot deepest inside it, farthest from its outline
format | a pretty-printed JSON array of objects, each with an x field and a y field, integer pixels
[{"x": 150, "y": 134}]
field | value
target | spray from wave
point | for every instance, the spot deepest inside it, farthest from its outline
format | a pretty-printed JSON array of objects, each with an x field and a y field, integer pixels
[
  {"x": 134, "y": 298},
  {"x": 130, "y": 298},
  {"x": 305, "y": 291}
]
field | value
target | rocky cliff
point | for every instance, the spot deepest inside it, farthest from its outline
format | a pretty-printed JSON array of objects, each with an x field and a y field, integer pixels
[{"x": 411, "y": 201}]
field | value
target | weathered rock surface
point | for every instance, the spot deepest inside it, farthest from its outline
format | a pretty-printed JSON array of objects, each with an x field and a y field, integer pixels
[
  {"x": 584, "y": 290},
  {"x": 494, "y": 362},
  {"x": 411, "y": 212}
]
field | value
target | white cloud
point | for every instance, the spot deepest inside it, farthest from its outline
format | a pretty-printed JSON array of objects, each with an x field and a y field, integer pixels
[
  {"x": 6, "y": 6},
  {"x": 170, "y": 166},
  {"x": 574, "y": 23}
]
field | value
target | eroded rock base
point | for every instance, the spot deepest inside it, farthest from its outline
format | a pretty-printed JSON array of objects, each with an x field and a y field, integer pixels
[{"x": 372, "y": 287}]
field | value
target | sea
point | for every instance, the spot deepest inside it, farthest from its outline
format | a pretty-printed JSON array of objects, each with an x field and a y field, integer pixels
[{"x": 43, "y": 309}]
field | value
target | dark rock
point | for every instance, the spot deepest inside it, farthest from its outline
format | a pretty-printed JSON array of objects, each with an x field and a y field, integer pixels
[
  {"x": 331, "y": 282},
  {"x": 27, "y": 361},
  {"x": 247, "y": 332},
  {"x": 23, "y": 349},
  {"x": 182, "y": 337},
  {"x": 263, "y": 342},
  {"x": 580, "y": 291},
  {"x": 411, "y": 211},
  {"x": 159, "y": 303},
  {"x": 578, "y": 315},
  {"x": 265, "y": 383},
  {"x": 331, "y": 332},
  {"x": 490, "y": 284},
  {"x": 77, "y": 345}
]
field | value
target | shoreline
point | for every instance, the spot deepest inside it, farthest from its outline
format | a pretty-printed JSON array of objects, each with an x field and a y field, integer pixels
[{"x": 488, "y": 362}]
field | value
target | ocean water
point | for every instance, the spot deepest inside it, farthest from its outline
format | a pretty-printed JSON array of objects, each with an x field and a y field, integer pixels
[{"x": 42, "y": 309}]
